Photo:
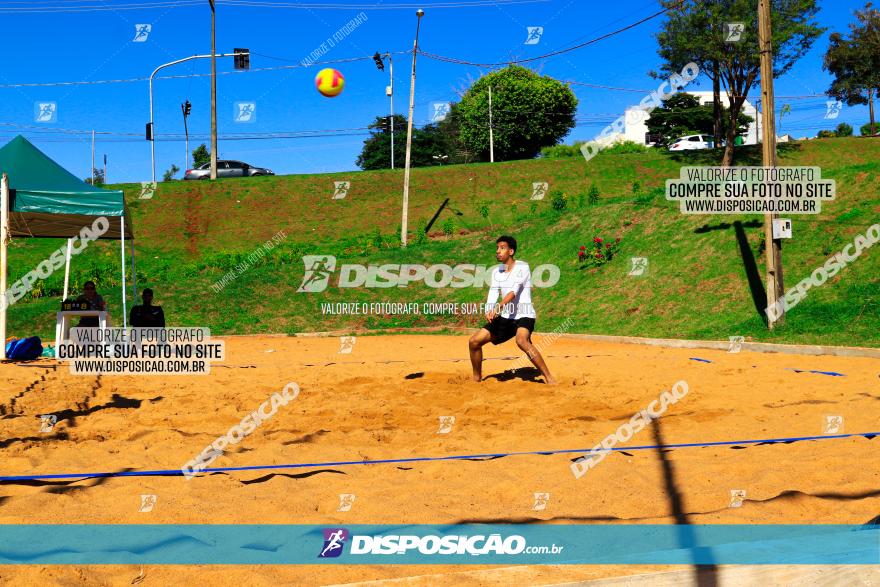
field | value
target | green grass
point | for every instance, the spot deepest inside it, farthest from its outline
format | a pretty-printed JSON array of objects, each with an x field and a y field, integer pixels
[{"x": 191, "y": 234}]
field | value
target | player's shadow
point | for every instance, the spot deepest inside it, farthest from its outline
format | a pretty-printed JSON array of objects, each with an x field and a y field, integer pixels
[
  {"x": 750, "y": 265},
  {"x": 706, "y": 571},
  {"x": 522, "y": 373}
]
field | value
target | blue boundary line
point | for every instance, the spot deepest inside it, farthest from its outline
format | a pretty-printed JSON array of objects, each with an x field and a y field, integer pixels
[{"x": 178, "y": 472}]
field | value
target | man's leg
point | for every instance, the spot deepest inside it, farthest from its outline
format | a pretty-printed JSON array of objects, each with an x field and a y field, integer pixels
[
  {"x": 524, "y": 342},
  {"x": 475, "y": 344}
]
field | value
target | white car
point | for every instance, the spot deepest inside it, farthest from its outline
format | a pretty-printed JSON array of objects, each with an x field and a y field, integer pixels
[{"x": 692, "y": 142}]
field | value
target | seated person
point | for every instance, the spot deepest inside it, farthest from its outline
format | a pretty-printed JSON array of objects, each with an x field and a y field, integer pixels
[
  {"x": 147, "y": 315},
  {"x": 95, "y": 301}
]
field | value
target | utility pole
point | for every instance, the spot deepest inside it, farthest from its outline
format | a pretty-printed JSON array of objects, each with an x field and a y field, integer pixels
[
  {"x": 491, "y": 136},
  {"x": 412, "y": 94},
  {"x": 105, "y": 168},
  {"x": 93, "y": 158},
  {"x": 775, "y": 289},
  {"x": 213, "y": 94},
  {"x": 389, "y": 91}
]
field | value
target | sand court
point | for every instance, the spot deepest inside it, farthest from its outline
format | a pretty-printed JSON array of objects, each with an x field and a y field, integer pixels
[{"x": 394, "y": 398}]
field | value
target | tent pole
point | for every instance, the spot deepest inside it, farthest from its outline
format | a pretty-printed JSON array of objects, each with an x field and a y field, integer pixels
[
  {"x": 122, "y": 241},
  {"x": 134, "y": 275},
  {"x": 4, "y": 235},
  {"x": 67, "y": 269}
]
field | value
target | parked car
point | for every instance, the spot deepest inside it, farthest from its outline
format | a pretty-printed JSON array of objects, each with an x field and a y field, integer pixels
[
  {"x": 226, "y": 168},
  {"x": 692, "y": 142}
]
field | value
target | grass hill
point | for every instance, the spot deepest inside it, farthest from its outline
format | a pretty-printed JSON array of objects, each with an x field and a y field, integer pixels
[{"x": 704, "y": 278}]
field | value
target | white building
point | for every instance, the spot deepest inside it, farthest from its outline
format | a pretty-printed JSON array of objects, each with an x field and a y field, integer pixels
[{"x": 637, "y": 130}]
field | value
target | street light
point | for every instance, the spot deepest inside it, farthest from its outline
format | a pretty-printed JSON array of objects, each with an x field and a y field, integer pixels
[
  {"x": 412, "y": 94},
  {"x": 389, "y": 91},
  {"x": 441, "y": 158}
]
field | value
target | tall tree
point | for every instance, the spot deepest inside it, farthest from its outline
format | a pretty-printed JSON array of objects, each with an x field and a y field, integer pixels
[
  {"x": 201, "y": 155},
  {"x": 696, "y": 30},
  {"x": 428, "y": 141},
  {"x": 529, "y": 111},
  {"x": 855, "y": 61}
]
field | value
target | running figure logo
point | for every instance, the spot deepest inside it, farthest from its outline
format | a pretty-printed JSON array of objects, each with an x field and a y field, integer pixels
[
  {"x": 147, "y": 503},
  {"x": 832, "y": 109},
  {"x": 539, "y": 190},
  {"x": 334, "y": 540},
  {"x": 733, "y": 31},
  {"x": 141, "y": 32},
  {"x": 533, "y": 34},
  {"x": 735, "y": 344},
  {"x": 737, "y": 496},
  {"x": 245, "y": 112},
  {"x": 446, "y": 423},
  {"x": 340, "y": 189},
  {"x": 639, "y": 266},
  {"x": 318, "y": 269},
  {"x": 47, "y": 422},
  {"x": 346, "y": 500},
  {"x": 148, "y": 188},
  {"x": 833, "y": 425},
  {"x": 541, "y": 501},
  {"x": 346, "y": 344},
  {"x": 45, "y": 111}
]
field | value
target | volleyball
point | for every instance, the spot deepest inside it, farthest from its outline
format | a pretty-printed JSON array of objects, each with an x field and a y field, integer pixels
[{"x": 329, "y": 82}]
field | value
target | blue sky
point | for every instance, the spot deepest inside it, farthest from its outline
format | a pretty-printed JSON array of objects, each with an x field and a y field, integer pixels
[{"x": 99, "y": 45}]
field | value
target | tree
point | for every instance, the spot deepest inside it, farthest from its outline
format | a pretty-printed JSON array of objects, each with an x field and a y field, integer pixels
[
  {"x": 869, "y": 129},
  {"x": 529, "y": 112},
  {"x": 826, "y": 134},
  {"x": 682, "y": 114},
  {"x": 97, "y": 177},
  {"x": 843, "y": 130},
  {"x": 855, "y": 61},
  {"x": 201, "y": 155},
  {"x": 432, "y": 139},
  {"x": 694, "y": 30},
  {"x": 169, "y": 175}
]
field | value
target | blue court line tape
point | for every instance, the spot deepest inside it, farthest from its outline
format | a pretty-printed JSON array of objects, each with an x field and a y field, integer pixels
[
  {"x": 831, "y": 373},
  {"x": 178, "y": 472},
  {"x": 700, "y": 360}
]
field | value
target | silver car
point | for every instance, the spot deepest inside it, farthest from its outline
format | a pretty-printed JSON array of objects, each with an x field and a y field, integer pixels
[{"x": 226, "y": 168}]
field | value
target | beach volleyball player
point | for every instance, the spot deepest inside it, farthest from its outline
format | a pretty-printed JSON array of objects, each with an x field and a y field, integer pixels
[{"x": 512, "y": 282}]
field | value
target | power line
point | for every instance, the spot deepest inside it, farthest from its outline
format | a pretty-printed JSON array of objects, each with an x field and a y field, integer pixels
[{"x": 79, "y": 6}]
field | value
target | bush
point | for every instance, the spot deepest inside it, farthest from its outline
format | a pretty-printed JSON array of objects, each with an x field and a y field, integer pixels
[
  {"x": 593, "y": 195},
  {"x": 599, "y": 254},
  {"x": 561, "y": 151},
  {"x": 636, "y": 188},
  {"x": 448, "y": 227},
  {"x": 421, "y": 237},
  {"x": 867, "y": 131},
  {"x": 844, "y": 130},
  {"x": 626, "y": 147},
  {"x": 826, "y": 134},
  {"x": 558, "y": 200}
]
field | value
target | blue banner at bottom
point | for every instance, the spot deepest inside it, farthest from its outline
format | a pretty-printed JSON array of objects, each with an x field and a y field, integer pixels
[{"x": 495, "y": 544}]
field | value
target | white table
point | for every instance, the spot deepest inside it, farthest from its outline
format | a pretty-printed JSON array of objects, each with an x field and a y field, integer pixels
[{"x": 62, "y": 322}]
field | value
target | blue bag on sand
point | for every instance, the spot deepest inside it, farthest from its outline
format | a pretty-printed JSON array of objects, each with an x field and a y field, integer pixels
[{"x": 24, "y": 349}]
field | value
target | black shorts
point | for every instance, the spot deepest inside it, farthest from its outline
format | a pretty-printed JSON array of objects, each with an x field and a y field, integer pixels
[{"x": 503, "y": 329}]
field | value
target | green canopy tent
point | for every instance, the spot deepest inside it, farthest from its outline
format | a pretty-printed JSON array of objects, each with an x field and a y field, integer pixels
[{"x": 42, "y": 199}]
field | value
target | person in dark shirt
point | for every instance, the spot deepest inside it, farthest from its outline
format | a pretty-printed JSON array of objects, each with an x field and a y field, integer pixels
[
  {"x": 94, "y": 300},
  {"x": 147, "y": 315}
]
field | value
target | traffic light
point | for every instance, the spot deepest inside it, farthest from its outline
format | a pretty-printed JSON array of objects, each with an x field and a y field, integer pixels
[
  {"x": 242, "y": 58},
  {"x": 149, "y": 131},
  {"x": 186, "y": 107},
  {"x": 378, "y": 59}
]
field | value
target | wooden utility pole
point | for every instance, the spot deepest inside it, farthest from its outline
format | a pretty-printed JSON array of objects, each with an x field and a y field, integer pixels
[
  {"x": 213, "y": 95},
  {"x": 774, "y": 285}
]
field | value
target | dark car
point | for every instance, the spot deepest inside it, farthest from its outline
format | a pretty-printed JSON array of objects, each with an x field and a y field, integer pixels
[{"x": 227, "y": 168}]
